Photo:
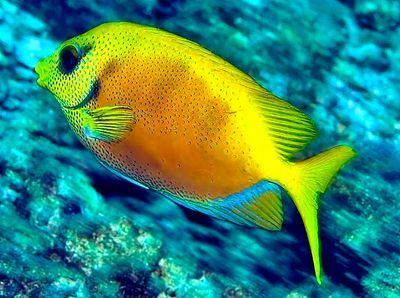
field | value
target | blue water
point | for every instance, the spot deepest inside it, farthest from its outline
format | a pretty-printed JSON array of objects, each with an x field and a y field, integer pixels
[{"x": 69, "y": 228}]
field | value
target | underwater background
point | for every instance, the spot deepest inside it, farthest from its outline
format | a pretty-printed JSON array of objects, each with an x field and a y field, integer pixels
[{"x": 69, "y": 228}]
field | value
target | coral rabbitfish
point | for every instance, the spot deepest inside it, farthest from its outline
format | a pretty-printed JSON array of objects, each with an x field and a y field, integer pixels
[{"x": 169, "y": 115}]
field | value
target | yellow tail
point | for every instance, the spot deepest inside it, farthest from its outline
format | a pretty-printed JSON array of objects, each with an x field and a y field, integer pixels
[{"x": 309, "y": 180}]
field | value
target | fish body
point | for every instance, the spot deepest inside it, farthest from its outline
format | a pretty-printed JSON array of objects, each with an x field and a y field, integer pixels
[{"x": 169, "y": 115}]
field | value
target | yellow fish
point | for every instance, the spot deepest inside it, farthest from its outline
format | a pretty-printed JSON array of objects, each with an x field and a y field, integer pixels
[{"x": 169, "y": 115}]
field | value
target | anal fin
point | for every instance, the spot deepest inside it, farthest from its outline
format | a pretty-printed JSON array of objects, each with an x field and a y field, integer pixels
[{"x": 257, "y": 206}]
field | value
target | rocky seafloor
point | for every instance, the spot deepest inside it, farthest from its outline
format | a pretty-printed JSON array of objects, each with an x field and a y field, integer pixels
[{"x": 69, "y": 228}]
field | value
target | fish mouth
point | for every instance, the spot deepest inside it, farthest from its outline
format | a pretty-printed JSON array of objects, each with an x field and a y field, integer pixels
[
  {"x": 93, "y": 92},
  {"x": 41, "y": 80}
]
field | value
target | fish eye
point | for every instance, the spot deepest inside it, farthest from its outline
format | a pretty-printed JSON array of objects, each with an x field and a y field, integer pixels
[{"x": 69, "y": 59}]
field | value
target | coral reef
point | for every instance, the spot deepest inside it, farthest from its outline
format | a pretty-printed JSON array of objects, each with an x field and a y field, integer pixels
[{"x": 69, "y": 228}]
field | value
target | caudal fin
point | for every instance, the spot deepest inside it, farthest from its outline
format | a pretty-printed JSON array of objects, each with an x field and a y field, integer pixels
[{"x": 310, "y": 179}]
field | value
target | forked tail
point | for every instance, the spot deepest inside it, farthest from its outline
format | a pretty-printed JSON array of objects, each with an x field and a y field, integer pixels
[{"x": 310, "y": 179}]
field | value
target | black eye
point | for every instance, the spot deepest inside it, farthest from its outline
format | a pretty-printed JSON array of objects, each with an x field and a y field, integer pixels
[{"x": 69, "y": 59}]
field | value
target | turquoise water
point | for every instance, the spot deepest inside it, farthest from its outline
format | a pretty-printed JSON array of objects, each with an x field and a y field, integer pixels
[{"x": 69, "y": 228}]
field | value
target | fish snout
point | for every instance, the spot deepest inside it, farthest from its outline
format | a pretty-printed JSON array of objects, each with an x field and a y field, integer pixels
[{"x": 42, "y": 76}]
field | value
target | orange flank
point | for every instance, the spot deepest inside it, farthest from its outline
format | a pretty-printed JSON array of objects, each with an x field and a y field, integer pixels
[{"x": 174, "y": 132}]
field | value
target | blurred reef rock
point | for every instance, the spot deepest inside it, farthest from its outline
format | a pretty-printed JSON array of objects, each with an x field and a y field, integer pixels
[{"x": 68, "y": 228}]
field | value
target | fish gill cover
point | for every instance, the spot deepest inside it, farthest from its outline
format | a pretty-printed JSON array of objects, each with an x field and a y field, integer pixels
[{"x": 70, "y": 228}]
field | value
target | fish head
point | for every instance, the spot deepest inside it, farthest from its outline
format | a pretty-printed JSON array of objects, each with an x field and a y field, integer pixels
[
  {"x": 77, "y": 75},
  {"x": 72, "y": 73}
]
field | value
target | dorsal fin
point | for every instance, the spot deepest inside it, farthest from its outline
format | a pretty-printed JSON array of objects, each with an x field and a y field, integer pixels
[
  {"x": 257, "y": 206},
  {"x": 290, "y": 129}
]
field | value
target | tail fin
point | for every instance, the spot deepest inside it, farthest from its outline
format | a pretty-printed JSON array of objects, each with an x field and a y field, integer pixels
[{"x": 310, "y": 179}]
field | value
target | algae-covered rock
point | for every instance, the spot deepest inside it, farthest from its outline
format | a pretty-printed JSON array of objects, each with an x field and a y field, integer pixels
[
  {"x": 378, "y": 15},
  {"x": 120, "y": 243}
]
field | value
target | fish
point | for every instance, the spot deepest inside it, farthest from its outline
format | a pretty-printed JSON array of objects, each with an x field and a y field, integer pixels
[{"x": 171, "y": 116}]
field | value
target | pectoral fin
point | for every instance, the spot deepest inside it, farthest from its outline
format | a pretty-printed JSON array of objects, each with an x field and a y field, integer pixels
[{"x": 108, "y": 124}]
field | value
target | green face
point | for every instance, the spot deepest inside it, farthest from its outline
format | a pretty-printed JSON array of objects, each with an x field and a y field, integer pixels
[{"x": 70, "y": 72}]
